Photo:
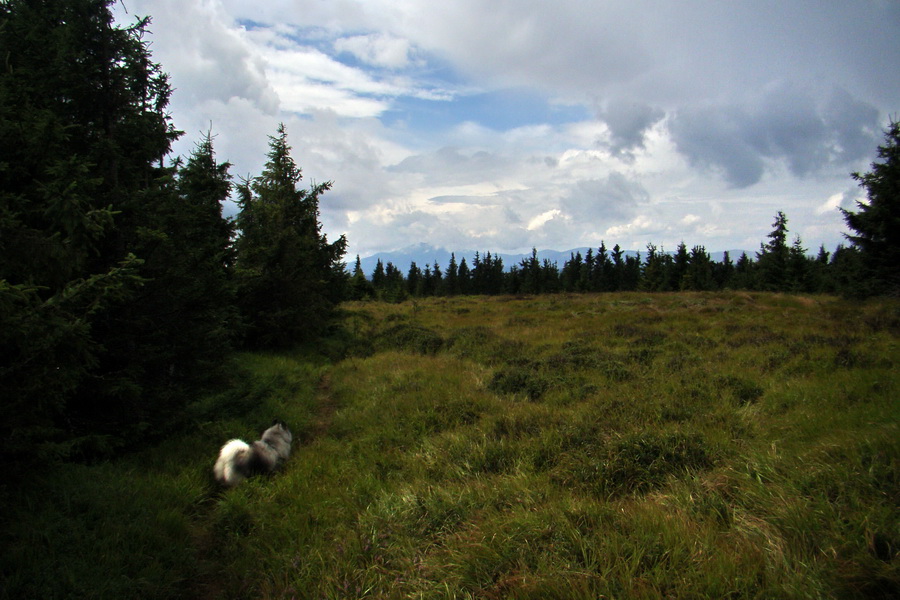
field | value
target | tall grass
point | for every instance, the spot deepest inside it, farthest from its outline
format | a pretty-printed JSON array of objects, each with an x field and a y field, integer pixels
[{"x": 725, "y": 445}]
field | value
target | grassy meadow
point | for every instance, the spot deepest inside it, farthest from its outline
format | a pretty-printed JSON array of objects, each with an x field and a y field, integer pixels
[{"x": 695, "y": 445}]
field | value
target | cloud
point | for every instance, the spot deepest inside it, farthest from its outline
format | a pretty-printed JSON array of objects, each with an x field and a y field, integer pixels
[
  {"x": 785, "y": 125},
  {"x": 846, "y": 200},
  {"x": 613, "y": 198},
  {"x": 206, "y": 56},
  {"x": 450, "y": 165},
  {"x": 641, "y": 225},
  {"x": 628, "y": 123},
  {"x": 463, "y": 124},
  {"x": 378, "y": 49}
]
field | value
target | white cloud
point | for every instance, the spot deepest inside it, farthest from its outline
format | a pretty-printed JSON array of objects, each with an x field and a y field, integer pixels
[
  {"x": 708, "y": 117},
  {"x": 378, "y": 50},
  {"x": 541, "y": 219}
]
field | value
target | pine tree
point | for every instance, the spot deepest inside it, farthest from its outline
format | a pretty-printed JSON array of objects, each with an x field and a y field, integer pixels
[
  {"x": 465, "y": 277},
  {"x": 379, "y": 277},
  {"x": 530, "y": 274},
  {"x": 798, "y": 268},
  {"x": 679, "y": 267},
  {"x": 618, "y": 269},
  {"x": 184, "y": 318},
  {"x": 655, "y": 276},
  {"x": 744, "y": 273},
  {"x": 699, "y": 275},
  {"x": 394, "y": 284},
  {"x": 632, "y": 272},
  {"x": 290, "y": 277},
  {"x": 877, "y": 221},
  {"x": 601, "y": 280},
  {"x": 83, "y": 133},
  {"x": 451, "y": 278},
  {"x": 584, "y": 277},
  {"x": 360, "y": 288},
  {"x": 772, "y": 258},
  {"x": 571, "y": 272},
  {"x": 494, "y": 277},
  {"x": 845, "y": 271},
  {"x": 437, "y": 280},
  {"x": 414, "y": 282},
  {"x": 723, "y": 272}
]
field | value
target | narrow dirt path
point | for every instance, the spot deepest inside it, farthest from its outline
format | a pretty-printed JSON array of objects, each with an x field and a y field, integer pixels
[
  {"x": 208, "y": 584},
  {"x": 325, "y": 410}
]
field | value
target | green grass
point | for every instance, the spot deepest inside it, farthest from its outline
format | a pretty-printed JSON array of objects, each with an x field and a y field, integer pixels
[{"x": 724, "y": 445}]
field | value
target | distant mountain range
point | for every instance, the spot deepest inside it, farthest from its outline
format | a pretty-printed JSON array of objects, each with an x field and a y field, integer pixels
[{"x": 424, "y": 254}]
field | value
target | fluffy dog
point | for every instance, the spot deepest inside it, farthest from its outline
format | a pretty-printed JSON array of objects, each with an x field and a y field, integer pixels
[{"x": 239, "y": 460}]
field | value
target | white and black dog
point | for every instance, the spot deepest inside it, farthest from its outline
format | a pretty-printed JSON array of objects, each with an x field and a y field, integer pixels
[{"x": 239, "y": 460}]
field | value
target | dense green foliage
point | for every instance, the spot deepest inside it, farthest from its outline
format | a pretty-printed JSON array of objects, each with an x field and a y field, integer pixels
[
  {"x": 82, "y": 129},
  {"x": 625, "y": 445},
  {"x": 877, "y": 221},
  {"x": 289, "y": 277},
  {"x": 118, "y": 274}
]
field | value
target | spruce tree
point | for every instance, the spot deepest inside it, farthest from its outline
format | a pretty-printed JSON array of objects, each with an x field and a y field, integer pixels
[
  {"x": 451, "y": 278},
  {"x": 290, "y": 278},
  {"x": 699, "y": 275},
  {"x": 876, "y": 222},
  {"x": 679, "y": 267},
  {"x": 378, "y": 278},
  {"x": 465, "y": 277},
  {"x": 772, "y": 258},
  {"x": 360, "y": 288},
  {"x": 394, "y": 284},
  {"x": 618, "y": 269},
  {"x": 601, "y": 278},
  {"x": 744, "y": 273},
  {"x": 723, "y": 272},
  {"x": 414, "y": 283},
  {"x": 798, "y": 268},
  {"x": 655, "y": 276},
  {"x": 83, "y": 133}
]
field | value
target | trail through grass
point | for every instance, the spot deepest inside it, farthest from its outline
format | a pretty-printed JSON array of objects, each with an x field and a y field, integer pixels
[{"x": 623, "y": 446}]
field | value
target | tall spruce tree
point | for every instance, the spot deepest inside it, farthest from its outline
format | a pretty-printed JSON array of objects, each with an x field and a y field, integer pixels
[
  {"x": 290, "y": 278},
  {"x": 198, "y": 273},
  {"x": 876, "y": 222},
  {"x": 360, "y": 288},
  {"x": 83, "y": 133},
  {"x": 773, "y": 256}
]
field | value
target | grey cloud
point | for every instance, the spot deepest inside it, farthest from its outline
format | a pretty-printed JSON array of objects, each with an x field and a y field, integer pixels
[
  {"x": 854, "y": 123},
  {"x": 449, "y": 165},
  {"x": 716, "y": 138},
  {"x": 608, "y": 200},
  {"x": 784, "y": 125},
  {"x": 628, "y": 123}
]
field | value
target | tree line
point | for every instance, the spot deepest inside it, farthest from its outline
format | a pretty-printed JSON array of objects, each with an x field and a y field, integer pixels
[
  {"x": 778, "y": 266},
  {"x": 124, "y": 289}
]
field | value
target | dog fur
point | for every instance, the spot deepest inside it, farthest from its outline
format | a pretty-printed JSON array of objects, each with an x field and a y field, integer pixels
[{"x": 239, "y": 460}]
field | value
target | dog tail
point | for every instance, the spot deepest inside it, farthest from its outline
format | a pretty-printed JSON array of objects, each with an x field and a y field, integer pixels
[{"x": 230, "y": 468}]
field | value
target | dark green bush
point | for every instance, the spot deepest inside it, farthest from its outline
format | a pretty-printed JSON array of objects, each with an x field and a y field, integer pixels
[
  {"x": 642, "y": 462},
  {"x": 411, "y": 338},
  {"x": 519, "y": 380}
]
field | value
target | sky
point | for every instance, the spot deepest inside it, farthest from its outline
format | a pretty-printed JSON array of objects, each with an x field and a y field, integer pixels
[{"x": 511, "y": 124}]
